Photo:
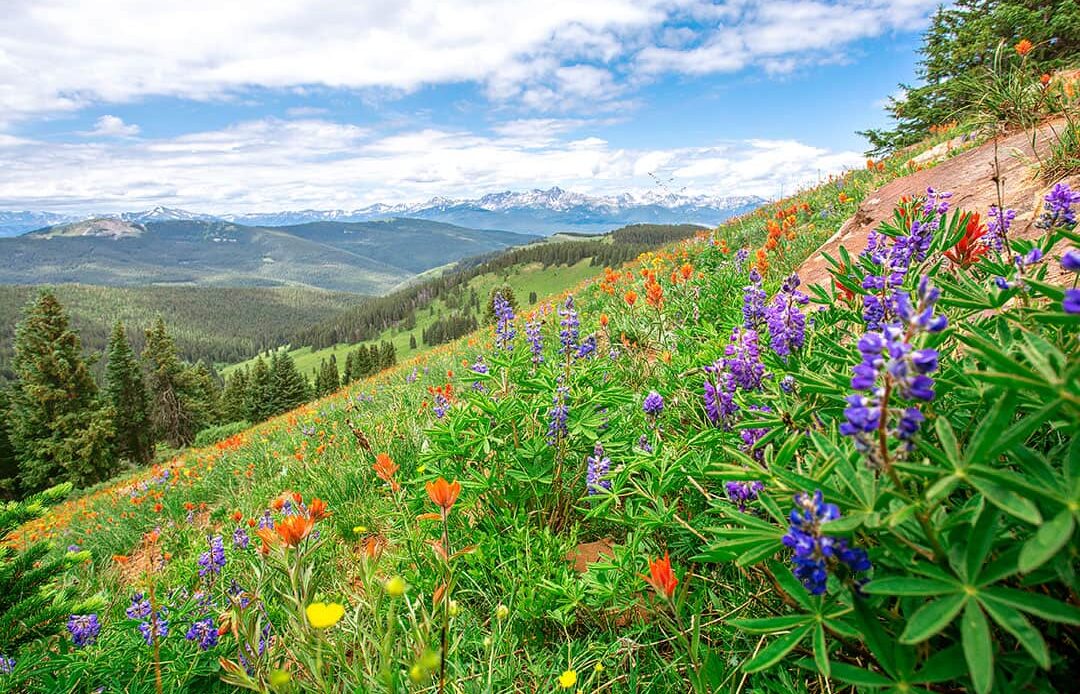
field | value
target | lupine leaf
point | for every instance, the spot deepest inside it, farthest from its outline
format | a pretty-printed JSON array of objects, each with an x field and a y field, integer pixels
[
  {"x": 1008, "y": 501},
  {"x": 859, "y": 677},
  {"x": 768, "y": 625},
  {"x": 908, "y": 586},
  {"x": 775, "y": 651},
  {"x": 1051, "y": 537},
  {"x": 980, "y": 540},
  {"x": 821, "y": 650},
  {"x": 1033, "y": 603},
  {"x": 978, "y": 648},
  {"x": 932, "y": 618},
  {"x": 1018, "y": 625}
]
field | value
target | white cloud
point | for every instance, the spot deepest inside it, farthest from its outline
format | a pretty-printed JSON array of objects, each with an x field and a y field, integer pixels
[
  {"x": 61, "y": 55},
  {"x": 275, "y": 164},
  {"x": 112, "y": 126}
]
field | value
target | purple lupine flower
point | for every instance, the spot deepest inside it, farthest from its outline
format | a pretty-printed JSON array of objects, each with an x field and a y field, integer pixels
[
  {"x": 587, "y": 348},
  {"x": 1071, "y": 302},
  {"x": 84, "y": 629},
  {"x": 787, "y": 384},
  {"x": 140, "y": 607},
  {"x": 719, "y": 394},
  {"x": 742, "y": 493},
  {"x": 751, "y": 436},
  {"x": 307, "y": 430},
  {"x": 504, "y": 322},
  {"x": 558, "y": 414},
  {"x": 570, "y": 325},
  {"x": 654, "y": 404},
  {"x": 787, "y": 324},
  {"x": 754, "y": 302},
  {"x": 536, "y": 341},
  {"x": 7, "y": 665},
  {"x": 211, "y": 562},
  {"x": 936, "y": 202},
  {"x": 741, "y": 256},
  {"x": 742, "y": 358},
  {"x": 479, "y": 367},
  {"x": 204, "y": 633},
  {"x": 1032, "y": 257},
  {"x": 997, "y": 227},
  {"x": 147, "y": 628},
  {"x": 643, "y": 444},
  {"x": 240, "y": 538},
  {"x": 73, "y": 548},
  {"x": 596, "y": 473},
  {"x": 238, "y": 594},
  {"x": 411, "y": 378},
  {"x": 266, "y": 521},
  {"x": 1071, "y": 260},
  {"x": 814, "y": 551},
  {"x": 1058, "y": 212}
]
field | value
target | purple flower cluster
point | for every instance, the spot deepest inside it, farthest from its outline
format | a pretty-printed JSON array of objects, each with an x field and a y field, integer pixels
[
  {"x": 569, "y": 325},
  {"x": 504, "y": 322},
  {"x": 558, "y": 414},
  {"x": 478, "y": 367},
  {"x": 936, "y": 202},
  {"x": 787, "y": 324},
  {"x": 204, "y": 633},
  {"x": 741, "y": 256},
  {"x": 1071, "y": 262},
  {"x": 891, "y": 366},
  {"x": 536, "y": 341},
  {"x": 266, "y": 521},
  {"x": 84, "y": 629},
  {"x": 740, "y": 368},
  {"x": 213, "y": 561},
  {"x": 653, "y": 405},
  {"x": 587, "y": 348},
  {"x": 240, "y": 538},
  {"x": 742, "y": 493},
  {"x": 7, "y": 665},
  {"x": 596, "y": 473},
  {"x": 1058, "y": 212},
  {"x": 751, "y": 436},
  {"x": 814, "y": 551},
  {"x": 643, "y": 444},
  {"x": 719, "y": 394},
  {"x": 147, "y": 629},
  {"x": 997, "y": 227},
  {"x": 141, "y": 609},
  {"x": 441, "y": 406},
  {"x": 753, "y": 302}
]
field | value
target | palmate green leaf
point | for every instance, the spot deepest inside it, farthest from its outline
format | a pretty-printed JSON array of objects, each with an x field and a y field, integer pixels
[
  {"x": 775, "y": 651},
  {"x": 910, "y": 587},
  {"x": 1018, "y": 625},
  {"x": 769, "y": 625},
  {"x": 942, "y": 666},
  {"x": 1048, "y": 541},
  {"x": 759, "y": 553},
  {"x": 980, "y": 540},
  {"x": 978, "y": 648},
  {"x": 932, "y": 617},
  {"x": 947, "y": 437},
  {"x": 1033, "y": 603},
  {"x": 1008, "y": 501},
  {"x": 992, "y": 424},
  {"x": 791, "y": 585},
  {"x": 821, "y": 649}
]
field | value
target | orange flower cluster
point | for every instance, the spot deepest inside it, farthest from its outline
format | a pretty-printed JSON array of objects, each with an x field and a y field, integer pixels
[
  {"x": 295, "y": 528},
  {"x": 610, "y": 280},
  {"x": 385, "y": 468},
  {"x": 942, "y": 128},
  {"x": 654, "y": 293},
  {"x": 970, "y": 247},
  {"x": 661, "y": 577},
  {"x": 1024, "y": 47}
]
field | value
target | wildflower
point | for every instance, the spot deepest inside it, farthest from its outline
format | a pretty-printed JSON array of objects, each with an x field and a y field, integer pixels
[
  {"x": 502, "y": 612},
  {"x": 570, "y": 326},
  {"x": 84, "y": 629},
  {"x": 644, "y": 445},
  {"x": 204, "y": 633},
  {"x": 1024, "y": 47},
  {"x": 997, "y": 228},
  {"x": 240, "y": 538},
  {"x": 787, "y": 324},
  {"x": 1070, "y": 260},
  {"x": 1057, "y": 210},
  {"x": 787, "y": 383},
  {"x": 814, "y": 551},
  {"x": 213, "y": 561},
  {"x": 1071, "y": 302},
  {"x": 568, "y": 679},
  {"x": 1044, "y": 79},
  {"x": 148, "y": 630},
  {"x": 654, "y": 404},
  {"x": 741, "y": 256},
  {"x": 294, "y": 529},
  {"x": 443, "y": 494},
  {"x": 630, "y": 298},
  {"x": 7, "y": 665},
  {"x": 751, "y": 436},
  {"x": 504, "y": 322},
  {"x": 587, "y": 348},
  {"x": 596, "y": 473},
  {"x": 395, "y": 586},
  {"x": 753, "y": 301},
  {"x": 536, "y": 341},
  {"x": 317, "y": 510},
  {"x": 385, "y": 468},
  {"x": 741, "y": 493},
  {"x": 322, "y": 615},
  {"x": 661, "y": 577},
  {"x": 558, "y": 415},
  {"x": 140, "y": 607},
  {"x": 970, "y": 247}
]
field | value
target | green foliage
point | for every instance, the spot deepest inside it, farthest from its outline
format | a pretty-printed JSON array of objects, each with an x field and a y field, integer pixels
[
  {"x": 125, "y": 391},
  {"x": 259, "y": 399},
  {"x": 289, "y": 388},
  {"x": 58, "y": 427},
  {"x": 177, "y": 392},
  {"x": 212, "y": 435}
]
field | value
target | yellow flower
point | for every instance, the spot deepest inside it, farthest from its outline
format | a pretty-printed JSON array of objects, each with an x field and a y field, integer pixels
[
  {"x": 599, "y": 667},
  {"x": 568, "y": 679},
  {"x": 395, "y": 587},
  {"x": 323, "y": 615},
  {"x": 358, "y": 529},
  {"x": 502, "y": 612},
  {"x": 279, "y": 678}
]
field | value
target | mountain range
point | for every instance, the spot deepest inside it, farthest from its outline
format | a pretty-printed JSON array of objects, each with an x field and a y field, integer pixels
[
  {"x": 161, "y": 247},
  {"x": 533, "y": 212}
]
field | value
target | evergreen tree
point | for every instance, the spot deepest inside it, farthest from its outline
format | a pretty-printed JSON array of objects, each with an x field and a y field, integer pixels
[
  {"x": 9, "y": 466},
  {"x": 387, "y": 355},
  {"x": 260, "y": 392},
  {"x": 532, "y": 298},
  {"x": 349, "y": 374},
  {"x": 364, "y": 367},
  {"x": 125, "y": 391},
  {"x": 412, "y": 342},
  {"x": 234, "y": 397},
  {"x": 172, "y": 389},
  {"x": 32, "y": 606},
  {"x": 59, "y": 430},
  {"x": 289, "y": 387},
  {"x": 205, "y": 398},
  {"x": 328, "y": 380}
]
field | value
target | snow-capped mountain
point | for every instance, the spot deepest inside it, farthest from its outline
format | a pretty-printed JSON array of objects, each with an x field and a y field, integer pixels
[
  {"x": 537, "y": 211},
  {"x": 531, "y": 211}
]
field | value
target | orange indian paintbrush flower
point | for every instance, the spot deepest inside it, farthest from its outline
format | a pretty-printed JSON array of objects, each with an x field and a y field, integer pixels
[
  {"x": 443, "y": 494},
  {"x": 294, "y": 529},
  {"x": 1024, "y": 47},
  {"x": 661, "y": 577}
]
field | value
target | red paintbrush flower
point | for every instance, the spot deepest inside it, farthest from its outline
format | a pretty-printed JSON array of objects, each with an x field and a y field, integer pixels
[{"x": 661, "y": 577}]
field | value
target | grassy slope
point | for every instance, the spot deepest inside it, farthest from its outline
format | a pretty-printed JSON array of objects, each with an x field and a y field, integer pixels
[
  {"x": 523, "y": 279},
  {"x": 532, "y": 649}
]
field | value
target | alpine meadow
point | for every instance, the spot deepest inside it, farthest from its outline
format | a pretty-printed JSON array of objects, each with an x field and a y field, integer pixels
[{"x": 481, "y": 347}]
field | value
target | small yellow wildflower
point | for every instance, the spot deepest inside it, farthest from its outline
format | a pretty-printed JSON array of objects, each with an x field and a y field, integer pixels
[
  {"x": 599, "y": 667},
  {"x": 359, "y": 529},
  {"x": 322, "y": 615},
  {"x": 502, "y": 612},
  {"x": 568, "y": 679},
  {"x": 279, "y": 678},
  {"x": 395, "y": 587}
]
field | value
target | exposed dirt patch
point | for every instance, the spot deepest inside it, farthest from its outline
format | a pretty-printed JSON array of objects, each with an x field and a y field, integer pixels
[
  {"x": 970, "y": 177},
  {"x": 590, "y": 552}
]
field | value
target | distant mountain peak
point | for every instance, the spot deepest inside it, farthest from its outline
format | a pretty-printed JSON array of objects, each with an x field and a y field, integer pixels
[{"x": 165, "y": 214}]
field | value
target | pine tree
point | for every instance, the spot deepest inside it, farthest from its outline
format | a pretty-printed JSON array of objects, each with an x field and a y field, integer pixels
[
  {"x": 59, "y": 430},
  {"x": 32, "y": 606},
  {"x": 289, "y": 388},
  {"x": 328, "y": 380},
  {"x": 125, "y": 390},
  {"x": 171, "y": 387},
  {"x": 364, "y": 367},
  {"x": 412, "y": 342},
  {"x": 205, "y": 400},
  {"x": 9, "y": 466},
  {"x": 234, "y": 397},
  {"x": 260, "y": 392},
  {"x": 350, "y": 375}
]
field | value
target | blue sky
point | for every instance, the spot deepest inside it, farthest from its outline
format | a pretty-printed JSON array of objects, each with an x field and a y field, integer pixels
[{"x": 244, "y": 106}]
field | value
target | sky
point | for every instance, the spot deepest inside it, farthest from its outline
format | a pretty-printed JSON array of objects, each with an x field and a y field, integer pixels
[{"x": 261, "y": 105}]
